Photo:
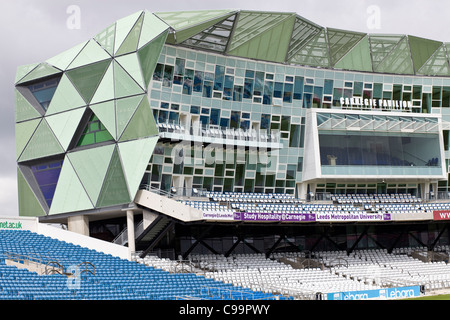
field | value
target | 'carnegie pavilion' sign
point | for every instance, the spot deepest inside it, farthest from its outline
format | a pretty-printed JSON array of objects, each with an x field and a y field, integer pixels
[{"x": 364, "y": 103}]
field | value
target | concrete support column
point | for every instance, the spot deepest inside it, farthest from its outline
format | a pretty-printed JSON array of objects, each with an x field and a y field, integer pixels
[
  {"x": 79, "y": 224},
  {"x": 130, "y": 230},
  {"x": 302, "y": 190}
]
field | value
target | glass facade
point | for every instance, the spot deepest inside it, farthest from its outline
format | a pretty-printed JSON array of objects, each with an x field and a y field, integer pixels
[
  {"x": 363, "y": 149},
  {"x": 232, "y": 93}
]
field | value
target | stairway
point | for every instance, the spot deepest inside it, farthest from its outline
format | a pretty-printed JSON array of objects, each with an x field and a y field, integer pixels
[{"x": 154, "y": 233}]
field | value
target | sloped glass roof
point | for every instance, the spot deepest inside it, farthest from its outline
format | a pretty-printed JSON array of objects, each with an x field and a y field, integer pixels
[{"x": 256, "y": 35}]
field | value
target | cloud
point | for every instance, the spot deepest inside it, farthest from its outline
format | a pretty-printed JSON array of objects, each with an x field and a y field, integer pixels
[{"x": 8, "y": 195}]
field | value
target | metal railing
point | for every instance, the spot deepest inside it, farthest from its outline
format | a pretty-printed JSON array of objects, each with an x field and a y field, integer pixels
[
  {"x": 122, "y": 237},
  {"x": 177, "y": 192},
  {"x": 215, "y": 131}
]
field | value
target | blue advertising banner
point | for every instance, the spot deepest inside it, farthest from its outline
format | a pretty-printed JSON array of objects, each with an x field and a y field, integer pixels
[{"x": 388, "y": 293}]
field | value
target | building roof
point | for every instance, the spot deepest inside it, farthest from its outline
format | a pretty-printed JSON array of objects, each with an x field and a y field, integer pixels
[{"x": 291, "y": 39}]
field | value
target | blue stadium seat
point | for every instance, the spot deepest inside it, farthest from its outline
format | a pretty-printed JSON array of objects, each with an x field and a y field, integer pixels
[{"x": 114, "y": 278}]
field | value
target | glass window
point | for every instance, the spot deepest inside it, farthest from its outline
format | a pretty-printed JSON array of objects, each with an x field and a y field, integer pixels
[
  {"x": 47, "y": 175},
  {"x": 268, "y": 92},
  {"x": 249, "y": 73},
  {"x": 224, "y": 122},
  {"x": 294, "y": 138},
  {"x": 228, "y": 88},
  {"x": 307, "y": 100},
  {"x": 179, "y": 66},
  {"x": 215, "y": 115},
  {"x": 248, "y": 88},
  {"x": 163, "y": 115},
  {"x": 94, "y": 132},
  {"x": 259, "y": 84},
  {"x": 287, "y": 96},
  {"x": 317, "y": 99},
  {"x": 237, "y": 93},
  {"x": 198, "y": 81},
  {"x": 378, "y": 91},
  {"x": 158, "y": 74},
  {"x": 219, "y": 78},
  {"x": 265, "y": 121},
  {"x": 328, "y": 87},
  {"x": 285, "y": 123},
  {"x": 298, "y": 88},
  {"x": 168, "y": 76},
  {"x": 446, "y": 97},
  {"x": 357, "y": 89},
  {"x": 195, "y": 110},
  {"x": 278, "y": 90},
  {"x": 235, "y": 119},
  {"x": 188, "y": 81},
  {"x": 357, "y": 149},
  {"x": 207, "y": 89},
  {"x": 44, "y": 91}
]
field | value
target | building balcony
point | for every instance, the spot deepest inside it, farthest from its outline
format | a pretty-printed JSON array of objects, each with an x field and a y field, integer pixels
[{"x": 209, "y": 134}]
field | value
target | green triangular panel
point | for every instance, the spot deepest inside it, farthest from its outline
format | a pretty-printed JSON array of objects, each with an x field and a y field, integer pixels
[
  {"x": 341, "y": 42},
  {"x": 66, "y": 97},
  {"x": 24, "y": 110},
  {"x": 358, "y": 58},
  {"x": 42, "y": 144},
  {"x": 135, "y": 158},
  {"x": 70, "y": 194},
  {"x": 24, "y": 132},
  {"x": 63, "y": 60},
  {"x": 29, "y": 205},
  {"x": 125, "y": 108},
  {"x": 270, "y": 45},
  {"x": 106, "y": 113},
  {"x": 42, "y": 70},
  {"x": 106, "y": 38},
  {"x": 191, "y": 20},
  {"x": 91, "y": 166},
  {"x": 131, "y": 42},
  {"x": 124, "y": 85},
  {"x": 22, "y": 71},
  {"x": 314, "y": 53},
  {"x": 114, "y": 190},
  {"x": 303, "y": 32},
  {"x": 381, "y": 46},
  {"x": 123, "y": 28},
  {"x": 130, "y": 63},
  {"x": 149, "y": 55},
  {"x": 182, "y": 35},
  {"x": 398, "y": 61},
  {"x": 422, "y": 50},
  {"x": 86, "y": 79},
  {"x": 91, "y": 53},
  {"x": 252, "y": 24},
  {"x": 151, "y": 28},
  {"x": 65, "y": 124},
  {"x": 142, "y": 125},
  {"x": 437, "y": 65},
  {"x": 105, "y": 90}
]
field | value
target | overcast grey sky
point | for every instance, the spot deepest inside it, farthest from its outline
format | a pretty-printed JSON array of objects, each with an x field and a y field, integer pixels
[{"x": 34, "y": 30}]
